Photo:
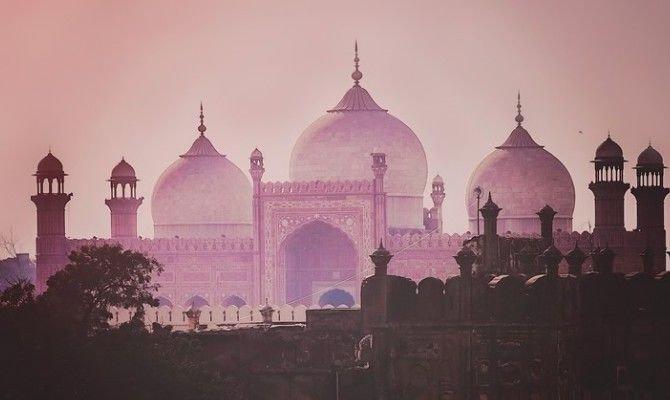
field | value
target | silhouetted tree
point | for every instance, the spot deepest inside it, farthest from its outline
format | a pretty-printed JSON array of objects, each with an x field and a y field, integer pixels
[
  {"x": 59, "y": 346},
  {"x": 98, "y": 278},
  {"x": 19, "y": 293}
]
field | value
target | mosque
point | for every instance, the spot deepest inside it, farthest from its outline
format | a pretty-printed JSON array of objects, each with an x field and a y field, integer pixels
[{"x": 357, "y": 176}]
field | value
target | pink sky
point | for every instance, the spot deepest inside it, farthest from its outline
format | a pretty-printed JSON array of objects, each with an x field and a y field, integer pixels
[{"x": 101, "y": 80}]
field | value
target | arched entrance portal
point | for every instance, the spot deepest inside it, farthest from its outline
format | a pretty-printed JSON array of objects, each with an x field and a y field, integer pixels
[{"x": 318, "y": 256}]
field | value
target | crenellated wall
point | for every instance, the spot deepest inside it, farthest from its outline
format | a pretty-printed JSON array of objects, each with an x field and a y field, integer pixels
[
  {"x": 419, "y": 255},
  {"x": 317, "y": 187},
  {"x": 549, "y": 336}
]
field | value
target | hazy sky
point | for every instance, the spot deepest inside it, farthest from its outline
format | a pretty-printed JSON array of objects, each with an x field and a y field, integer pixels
[{"x": 97, "y": 80}]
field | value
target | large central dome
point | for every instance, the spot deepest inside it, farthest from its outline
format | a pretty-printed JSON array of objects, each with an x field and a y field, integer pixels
[
  {"x": 337, "y": 147},
  {"x": 202, "y": 194},
  {"x": 522, "y": 177}
]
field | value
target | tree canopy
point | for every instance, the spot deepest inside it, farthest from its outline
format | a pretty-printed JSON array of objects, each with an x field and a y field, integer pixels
[
  {"x": 58, "y": 345},
  {"x": 98, "y": 278}
]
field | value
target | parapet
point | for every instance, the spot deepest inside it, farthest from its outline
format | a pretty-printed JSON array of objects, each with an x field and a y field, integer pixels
[
  {"x": 172, "y": 245},
  {"x": 318, "y": 187},
  {"x": 517, "y": 299}
]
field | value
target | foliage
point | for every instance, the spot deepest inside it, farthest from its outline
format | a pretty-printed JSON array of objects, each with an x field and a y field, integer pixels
[
  {"x": 17, "y": 294},
  {"x": 58, "y": 345},
  {"x": 98, "y": 278}
]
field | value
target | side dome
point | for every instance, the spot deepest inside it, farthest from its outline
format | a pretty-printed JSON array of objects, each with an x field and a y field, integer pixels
[
  {"x": 202, "y": 194},
  {"x": 650, "y": 157},
  {"x": 609, "y": 150},
  {"x": 337, "y": 147},
  {"x": 49, "y": 165},
  {"x": 123, "y": 170},
  {"x": 523, "y": 177}
]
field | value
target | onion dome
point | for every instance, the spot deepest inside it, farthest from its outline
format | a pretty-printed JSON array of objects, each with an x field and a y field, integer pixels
[
  {"x": 465, "y": 257},
  {"x": 609, "y": 150},
  {"x": 337, "y": 147},
  {"x": 546, "y": 210},
  {"x": 49, "y": 166},
  {"x": 202, "y": 194},
  {"x": 380, "y": 258},
  {"x": 576, "y": 254},
  {"x": 490, "y": 205},
  {"x": 256, "y": 154},
  {"x": 650, "y": 158},
  {"x": 575, "y": 258},
  {"x": 123, "y": 171},
  {"x": 438, "y": 180},
  {"x": 523, "y": 177}
]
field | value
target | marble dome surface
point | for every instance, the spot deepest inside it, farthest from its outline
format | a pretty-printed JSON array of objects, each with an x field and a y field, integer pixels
[
  {"x": 202, "y": 194},
  {"x": 337, "y": 146},
  {"x": 522, "y": 177}
]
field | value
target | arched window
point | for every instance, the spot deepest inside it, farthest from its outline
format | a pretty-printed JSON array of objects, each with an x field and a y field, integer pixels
[
  {"x": 196, "y": 301},
  {"x": 233, "y": 300},
  {"x": 164, "y": 301}
]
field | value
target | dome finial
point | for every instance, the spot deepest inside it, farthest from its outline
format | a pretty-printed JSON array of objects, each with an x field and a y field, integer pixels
[
  {"x": 356, "y": 75},
  {"x": 519, "y": 117},
  {"x": 202, "y": 128}
]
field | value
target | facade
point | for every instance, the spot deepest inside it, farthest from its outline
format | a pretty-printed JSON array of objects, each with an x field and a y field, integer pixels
[{"x": 357, "y": 176}]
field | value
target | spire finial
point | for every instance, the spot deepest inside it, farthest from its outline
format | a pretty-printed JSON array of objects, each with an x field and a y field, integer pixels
[
  {"x": 356, "y": 75},
  {"x": 608, "y": 134},
  {"x": 519, "y": 117},
  {"x": 202, "y": 128}
]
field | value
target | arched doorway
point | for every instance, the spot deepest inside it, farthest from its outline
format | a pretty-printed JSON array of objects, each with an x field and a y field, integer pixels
[
  {"x": 336, "y": 298},
  {"x": 317, "y": 257}
]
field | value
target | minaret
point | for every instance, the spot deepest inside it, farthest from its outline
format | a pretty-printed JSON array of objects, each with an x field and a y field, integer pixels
[
  {"x": 256, "y": 169},
  {"x": 437, "y": 194},
  {"x": 650, "y": 196},
  {"x": 50, "y": 200},
  {"x": 490, "y": 211},
  {"x": 379, "y": 170},
  {"x": 546, "y": 215},
  {"x": 123, "y": 202},
  {"x": 575, "y": 259},
  {"x": 609, "y": 190}
]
